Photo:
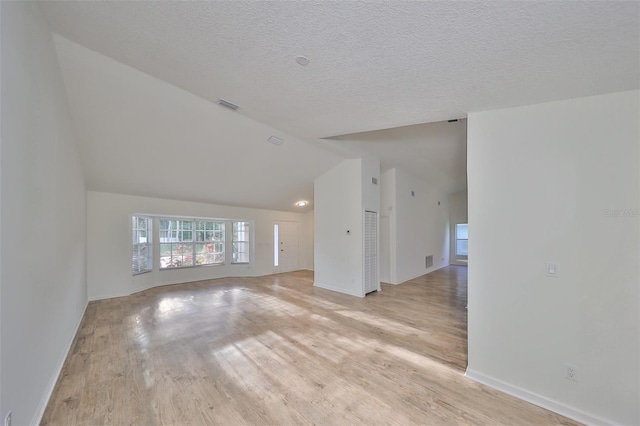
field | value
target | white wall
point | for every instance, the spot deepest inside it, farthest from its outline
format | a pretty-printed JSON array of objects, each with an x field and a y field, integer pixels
[
  {"x": 340, "y": 197},
  {"x": 118, "y": 109},
  {"x": 109, "y": 240},
  {"x": 43, "y": 217},
  {"x": 370, "y": 169},
  {"x": 418, "y": 225},
  {"x": 387, "y": 225},
  {"x": 543, "y": 183},
  {"x": 306, "y": 241},
  {"x": 457, "y": 214},
  {"x": 338, "y": 208}
]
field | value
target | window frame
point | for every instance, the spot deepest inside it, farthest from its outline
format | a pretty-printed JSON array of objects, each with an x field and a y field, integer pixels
[
  {"x": 247, "y": 242},
  {"x": 461, "y": 256},
  {"x": 198, "y": 233},
  {"x": 135, "y": 246}
]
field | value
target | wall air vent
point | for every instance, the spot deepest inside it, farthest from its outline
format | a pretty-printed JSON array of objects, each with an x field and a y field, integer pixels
[
  {"x": 227, "y": 104},
  {"x": 428, "y": 261}
]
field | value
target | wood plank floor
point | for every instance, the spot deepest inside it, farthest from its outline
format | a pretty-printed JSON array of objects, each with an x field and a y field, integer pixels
[{"x": 276, "y": 350}]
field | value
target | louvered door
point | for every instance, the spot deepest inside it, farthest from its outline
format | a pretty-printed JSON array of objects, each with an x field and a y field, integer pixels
[{"x": 371, "y": 281}]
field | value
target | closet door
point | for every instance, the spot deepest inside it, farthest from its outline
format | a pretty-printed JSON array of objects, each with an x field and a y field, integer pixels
[{"x": 371, "y": 280}]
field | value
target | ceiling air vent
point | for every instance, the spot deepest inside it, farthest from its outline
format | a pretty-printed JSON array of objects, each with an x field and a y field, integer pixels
[
  {"x": 275, "y": 140},
  {"x": 227, "y": 104}
]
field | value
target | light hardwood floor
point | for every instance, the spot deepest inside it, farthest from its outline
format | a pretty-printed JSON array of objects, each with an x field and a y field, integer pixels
[{"x": 276, "y": 350}]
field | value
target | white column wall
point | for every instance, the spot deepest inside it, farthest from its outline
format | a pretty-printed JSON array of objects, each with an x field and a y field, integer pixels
[
  {"x": 557, "y": 182},
  {"x": 337, "y": 209},
  {"x": 388, "y": 226}
]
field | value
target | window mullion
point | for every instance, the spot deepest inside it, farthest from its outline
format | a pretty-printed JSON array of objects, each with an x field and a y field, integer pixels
[{"x": 193, "y": 243}]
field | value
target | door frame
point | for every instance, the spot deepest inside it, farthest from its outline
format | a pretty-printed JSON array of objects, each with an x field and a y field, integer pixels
[{"x": 277, "y": 269}]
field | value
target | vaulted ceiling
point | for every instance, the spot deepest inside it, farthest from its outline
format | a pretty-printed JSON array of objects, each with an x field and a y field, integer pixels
[{"x": 143, "y": 78}]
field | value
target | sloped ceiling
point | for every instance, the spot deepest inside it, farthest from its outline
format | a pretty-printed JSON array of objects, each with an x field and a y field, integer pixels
[
  {"x": 373, "y": 66},
  {"x": 141, "y": 136}
]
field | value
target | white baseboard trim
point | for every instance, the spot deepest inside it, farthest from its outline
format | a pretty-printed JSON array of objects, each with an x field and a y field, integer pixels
[
  {"x": 430, "y": 270},
  {"x": 414, "y": 277},
  {"x": 94, "y": 297},
  {"x": 339, "y": 290},
  {"x": 539, "y": 400},
  {"x": 37, "y": 416}
]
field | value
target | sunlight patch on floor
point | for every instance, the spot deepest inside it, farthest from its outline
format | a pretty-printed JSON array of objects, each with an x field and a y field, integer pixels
[
  {"x": 260, "y": 369},
  {"x": 169, "y": 306},
  {"x": 422, "y": 361},
  {"x": 387, "y": 325},
  {"x": 278, "y": 307}
]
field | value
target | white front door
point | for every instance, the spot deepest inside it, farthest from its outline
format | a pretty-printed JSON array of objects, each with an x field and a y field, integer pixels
[{"x": 285, "y": 247}]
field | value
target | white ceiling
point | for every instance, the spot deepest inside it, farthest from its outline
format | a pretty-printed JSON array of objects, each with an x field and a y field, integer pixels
[
  {"x": 373, "y": 65},
  {"x": 141, "y": 136},
  {"x": 436, "y": 152}
]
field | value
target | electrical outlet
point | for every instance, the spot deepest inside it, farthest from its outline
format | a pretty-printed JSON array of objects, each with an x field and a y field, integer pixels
[
  {"x": 572, "y": 372},
  {"x": 7, "y": 420}
]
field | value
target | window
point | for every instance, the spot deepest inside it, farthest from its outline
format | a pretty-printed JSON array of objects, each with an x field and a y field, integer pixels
[
  {"x": 190, "y": 243},
  {"x": 276, "y": 249},
  {"x": 141, "y": 243},
  {"x": 462, "y": 240},
  {"x": 240, "y": 242}
]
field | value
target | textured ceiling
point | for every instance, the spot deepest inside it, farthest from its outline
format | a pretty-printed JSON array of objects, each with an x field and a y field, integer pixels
[
  {"x": 374, "y": 65},
  {"x": 436, "y": 152},
  {"x": 141, "y": 136},
  {"x": 144, "y": 77}
]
